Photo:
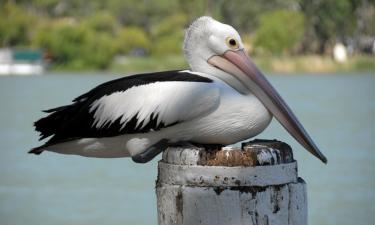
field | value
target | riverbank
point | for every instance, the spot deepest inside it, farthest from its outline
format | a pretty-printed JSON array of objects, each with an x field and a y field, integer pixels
[{"x": 281, "y": 64}]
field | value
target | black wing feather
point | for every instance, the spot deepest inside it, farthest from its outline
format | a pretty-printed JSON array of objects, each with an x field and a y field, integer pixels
[{"x": 76, "y": 121}]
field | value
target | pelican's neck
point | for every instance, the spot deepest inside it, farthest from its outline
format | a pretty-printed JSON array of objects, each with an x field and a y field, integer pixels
[{"x": 203, "y": 67}]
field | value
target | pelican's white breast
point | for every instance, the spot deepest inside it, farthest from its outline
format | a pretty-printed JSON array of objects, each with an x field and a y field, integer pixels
[{"x": 237, "y": 117}]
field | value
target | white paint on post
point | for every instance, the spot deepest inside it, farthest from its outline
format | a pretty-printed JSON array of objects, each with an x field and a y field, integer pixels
[
  {"x": 259, "y": 187},
  {"x": 217, "y": 176}
]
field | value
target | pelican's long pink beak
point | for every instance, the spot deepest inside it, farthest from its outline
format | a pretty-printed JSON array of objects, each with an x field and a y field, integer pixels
[{"x": 239, "y": 65}]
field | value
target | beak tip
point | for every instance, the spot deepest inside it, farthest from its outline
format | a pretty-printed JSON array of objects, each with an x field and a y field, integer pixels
[
  {"x": 314, "y": 150},
  {"x": 321, "y": 157},
  {"x": 324, "y": 160}
]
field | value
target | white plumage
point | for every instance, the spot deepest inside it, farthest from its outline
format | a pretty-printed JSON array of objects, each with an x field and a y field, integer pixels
[{"x": 171, "y": 101}]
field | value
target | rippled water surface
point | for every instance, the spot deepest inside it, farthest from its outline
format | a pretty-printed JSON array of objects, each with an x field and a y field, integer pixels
[{"x": 337, "y": 110}]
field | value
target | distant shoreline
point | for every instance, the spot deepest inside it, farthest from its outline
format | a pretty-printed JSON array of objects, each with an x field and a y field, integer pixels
[
  {"x": 270, "y": 64},
  {"x": 315, "y": 64}
]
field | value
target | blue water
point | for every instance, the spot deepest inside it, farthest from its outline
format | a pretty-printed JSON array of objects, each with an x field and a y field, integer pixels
[{"x": 337, "y": 110}]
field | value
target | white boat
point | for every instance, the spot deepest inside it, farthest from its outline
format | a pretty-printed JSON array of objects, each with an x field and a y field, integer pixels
[{"x": 21, "y": 62}]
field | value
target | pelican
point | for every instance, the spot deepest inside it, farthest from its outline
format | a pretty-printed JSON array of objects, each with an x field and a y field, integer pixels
[{"x": 223, "y": 99}]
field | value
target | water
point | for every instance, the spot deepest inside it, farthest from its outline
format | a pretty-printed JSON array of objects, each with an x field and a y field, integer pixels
[{"x": 337, "y": 110}]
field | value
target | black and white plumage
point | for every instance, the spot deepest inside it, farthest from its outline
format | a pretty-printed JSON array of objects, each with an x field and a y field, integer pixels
[
  {"x": 137, "y": 106},
  {"x": 95, "y": 114},
  {"x": 223, "y": 99}
]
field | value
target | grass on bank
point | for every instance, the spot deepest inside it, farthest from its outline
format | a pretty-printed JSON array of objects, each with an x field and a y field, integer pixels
[
  {"x": 282, "y": 64},
  {"x": 315, "y": 64}
]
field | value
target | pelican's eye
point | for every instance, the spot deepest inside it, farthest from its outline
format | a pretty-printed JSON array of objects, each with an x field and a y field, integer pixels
[{"x": 232, "y": 43}]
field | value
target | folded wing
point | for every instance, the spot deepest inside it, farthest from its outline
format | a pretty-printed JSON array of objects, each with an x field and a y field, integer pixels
[{"x": 133, "y": 104}]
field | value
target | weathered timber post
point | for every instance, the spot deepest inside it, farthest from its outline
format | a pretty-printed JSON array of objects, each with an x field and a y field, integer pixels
[{"x": 255, "y": 185}]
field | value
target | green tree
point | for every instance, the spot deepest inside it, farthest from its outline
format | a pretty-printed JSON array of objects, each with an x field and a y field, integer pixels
[
  {"x": 244, "y": 15},
  {"x": 74, "y": 45},
  {"x": 279, "y": 31},
  {"x": 63, "y": 39},
  {"x": 102, "y": 21},
  {"x": 130, "y": 38},
  {"x": 15, "y": 25},
  {"x": 168, "y": 35},
  {"x": 97, "y": 51},
  {"x": 328, "y": 21}
]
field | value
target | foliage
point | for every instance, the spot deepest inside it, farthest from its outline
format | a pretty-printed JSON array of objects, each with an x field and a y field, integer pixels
[
  {"x": 89, "y": 34},
  {"x": 328, "y": 21},
  {"x": 168, "y": 35},
  {"x": 154, "y": 63},
  {"x": 98, "y": 51},
  {"x": 273, "y": 35},
  {"x": 63, "y": 39},
  {"x": 15, "y": 25},
  {"x": 130, "y": 38},
  {"x": 168, "y": 45},
  {"x": 245, "y": 15},
  {"x": 102, "y": 21},
  {"x": 73, "y": 45}
]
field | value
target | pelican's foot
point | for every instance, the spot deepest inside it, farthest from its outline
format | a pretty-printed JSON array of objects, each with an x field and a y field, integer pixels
[
  {"x": 183, "y": 144},
  {"x": 150, "y": 153},
  {"x": 197, "y": 145},
  {"x": 210, "y": 147}
]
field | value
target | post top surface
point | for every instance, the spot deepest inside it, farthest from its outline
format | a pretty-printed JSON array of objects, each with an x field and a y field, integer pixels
[{"x": 253, "y": 153}]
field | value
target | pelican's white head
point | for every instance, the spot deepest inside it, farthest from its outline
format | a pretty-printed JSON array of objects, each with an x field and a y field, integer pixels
[
  {"x": 215, "y": 48},
  {"x": 207, "y": 37}
]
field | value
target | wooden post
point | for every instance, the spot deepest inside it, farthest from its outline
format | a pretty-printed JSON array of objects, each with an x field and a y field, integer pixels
[{"x": 255, "y": 185}]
